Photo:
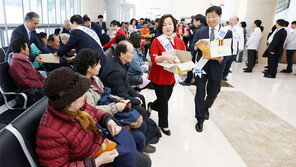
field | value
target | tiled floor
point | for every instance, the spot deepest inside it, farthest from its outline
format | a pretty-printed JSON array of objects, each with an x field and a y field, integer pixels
[{"x": 187, "y": 148}]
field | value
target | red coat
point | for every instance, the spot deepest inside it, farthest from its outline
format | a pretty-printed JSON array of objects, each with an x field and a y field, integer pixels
[
  {"x": 157, "y": 74},
  {"x": 120, "y": 31},
  {"x": 24, "y": 74},
  {"x": 61, "y": 141}
]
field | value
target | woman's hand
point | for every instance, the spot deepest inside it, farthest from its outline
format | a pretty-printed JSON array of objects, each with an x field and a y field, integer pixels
[
  {"x": 120, "y": 106},
  {"x": 170, "y": 58},
  {"x": 106, "y": 157},
  {"x": 113, "y": 127}
]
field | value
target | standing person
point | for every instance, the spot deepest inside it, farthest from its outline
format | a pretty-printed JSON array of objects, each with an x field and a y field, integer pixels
[
  {"x": 243, "y": 25},
  {"x": 27, "y": 31},
  {"x": 101, "y": 22},
  {"x": 57, "y": 32},
  {"x": 67, "y": 27},
  {"x": 199, "y": 22},
  {"x": 163, "y": 81},
  {"x": 253, "y": 45},
  {"x": 290, "y": 48},
  {"x": 140, "y": 26},
  {"x": 115, "y": 28},
  {"x": 82, "y": 37},
  {"x": 211, "y": 81},
  {"x": 95, "y": 26},
  {"x": 275, "y": 49},
  {"x": 237, "y": 44}
]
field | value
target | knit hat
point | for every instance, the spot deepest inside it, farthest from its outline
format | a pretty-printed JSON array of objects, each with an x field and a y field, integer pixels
[{"x": 62, "y": 87}]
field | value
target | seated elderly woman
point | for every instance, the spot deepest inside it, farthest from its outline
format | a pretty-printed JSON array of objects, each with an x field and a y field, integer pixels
[
  {"x": 87, "y": 64},
  {"x": 24, "y": 74},
  {"x": 137, "y": 73},
  {"x": 70, "y": 132}
]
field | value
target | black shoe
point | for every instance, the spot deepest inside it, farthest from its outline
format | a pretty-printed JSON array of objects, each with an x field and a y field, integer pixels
[
  {"x": 248, "y": 71},
  {"x": 230, "y": 71},
  {"x": 224, "y": 78},
  {"x": 268, "y": 76},
  {"x": 149, "y": 149},
  {"x": 185, "y": 83},
  {"x": 199, "y": 126},
  {"x": 167, "y": 132},
  {"x": 266, "y": 67},
  {"x": 265, "y": 71},
  {"x": 148, "y": 106},
  {"x": 245, "y": 68},
  {"x": 207, "y": 114},
  {"x": 286, "y": 71}
]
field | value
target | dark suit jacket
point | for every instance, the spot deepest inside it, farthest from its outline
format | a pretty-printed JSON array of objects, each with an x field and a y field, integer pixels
[
  {"x": 114, "y": 76},
  {"x": 98, "y": 30},
  {"x": 80, "y": 40},
  {"x": 65, "y": 31},
  {"x": 103, "y": 25},
  {"x": 278, "y": 41},
  {"x": 213, "y": 68},
  {"x": 21, "y": 32}
]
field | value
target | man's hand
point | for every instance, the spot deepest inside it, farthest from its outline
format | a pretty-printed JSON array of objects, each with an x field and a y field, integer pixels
[
  {"x": 199, "y": 42},
  {"x": 39, "y": 60},
  {"x": 218, "y": 58},
  {"x": 69, "y": 60}
]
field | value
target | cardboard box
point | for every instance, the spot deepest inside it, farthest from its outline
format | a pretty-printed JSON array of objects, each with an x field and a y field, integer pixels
[
  {"x": 185, "y": 64},
  {"x": 49, "y": 58},
  {"x": 216, "y": 48}
]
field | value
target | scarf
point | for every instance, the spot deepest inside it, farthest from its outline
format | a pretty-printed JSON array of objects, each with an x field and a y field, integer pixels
[{"x": 85, "y": 120}]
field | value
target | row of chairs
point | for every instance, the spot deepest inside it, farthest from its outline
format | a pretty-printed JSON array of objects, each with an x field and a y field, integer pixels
[{"x": 18, "y": 139}]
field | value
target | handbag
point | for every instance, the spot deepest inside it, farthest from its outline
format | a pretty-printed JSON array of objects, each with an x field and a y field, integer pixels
[
  {"x": 135, "y": 79},
  {"x": 125, "y": 146}
]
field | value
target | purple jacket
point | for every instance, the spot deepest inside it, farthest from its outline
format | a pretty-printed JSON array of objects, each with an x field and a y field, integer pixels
[{"x": 24, "y": 74}]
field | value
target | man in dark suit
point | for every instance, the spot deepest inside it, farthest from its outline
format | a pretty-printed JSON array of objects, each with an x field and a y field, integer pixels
[
  {"x": 275, "y": 49},
  {"x": 27, "y": 32},
  {"x": 80, "y": 38},
  {"x": 95, "y": 26},
  {"x": 67, "y": 27},
  {"x": 211, "y": 81},
  {"x": 101, "y": 22},
  {"x": 199, "y": 23}
]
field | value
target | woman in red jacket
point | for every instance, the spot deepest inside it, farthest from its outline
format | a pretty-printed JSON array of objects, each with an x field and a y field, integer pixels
[
  {"x": 68, "y": 134},
  {"x": 163, "y": 81},
  {"x": 23, "y": 72},
  {"x": 115, "y": 28}
]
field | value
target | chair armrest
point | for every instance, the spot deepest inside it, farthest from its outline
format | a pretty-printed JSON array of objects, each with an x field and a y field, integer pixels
[{"x": 16, "y": 94}]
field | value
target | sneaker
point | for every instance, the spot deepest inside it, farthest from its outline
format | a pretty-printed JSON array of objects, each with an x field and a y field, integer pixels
[{"x": 149, "y": 149}]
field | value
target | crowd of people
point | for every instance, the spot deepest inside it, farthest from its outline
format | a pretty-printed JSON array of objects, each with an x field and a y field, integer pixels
[{"x": 95, "y": 99}]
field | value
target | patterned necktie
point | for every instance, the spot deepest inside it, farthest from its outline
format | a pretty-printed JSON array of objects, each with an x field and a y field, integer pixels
[{"x": 212, "y": 36}]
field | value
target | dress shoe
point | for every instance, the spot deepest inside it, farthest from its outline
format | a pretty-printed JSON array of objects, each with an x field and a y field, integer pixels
[
  {"x": 149, "y": 107},
  {"x": 268, "y": 76},
  {"x": 185, "y": 83},
  {"x": 265, "y": 71},
  {"x": 230, "y": 71},
  {"x": 149, "y": 149},
  {"x": 199, "y": 126},
  {"x": 245, "y": 68},
  {"x": 266, "y": 67},
  {"x": 207, "y": 114},
  {"x": 224, "y": 78},
  {"x": 286, "y": 71},
  {"x": 248, "y": 71},
  {"x": 167, "y": 132}
]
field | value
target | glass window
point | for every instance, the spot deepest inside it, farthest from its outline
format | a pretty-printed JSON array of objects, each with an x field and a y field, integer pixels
[
  {"x": 76, "y": 7},
  {"x": 44, "y": 12},
  {"x": 71, "y": 8},
  {"x": 68, "y": 11},
  {"x": 63, "y": 10},
  {"x": 58, "y": 12},
  {"x": 9, "y": 34},
  {"x": 13, "y": 11},
  {"x": 36, "y": 7},
  {"x": 51, "y": 12},
  {"x": 1, "y": 38},
  {"x": 26, "y": 7},
  {"x": 2, "y": 21},
  {"x": 5, "y": 39}
]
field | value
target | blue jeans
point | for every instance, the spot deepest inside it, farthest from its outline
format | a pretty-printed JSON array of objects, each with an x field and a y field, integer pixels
[
  {"x": 139, "y": 136},
  {"x": 240, "y": 56}
]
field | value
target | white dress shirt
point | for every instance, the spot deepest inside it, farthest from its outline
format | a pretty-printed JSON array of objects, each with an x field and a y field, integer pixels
[
  {"x": 215, "y": 31},
  {"x": 254, "y": 40},
  {"x": 238, "y": 38},
  {"x": 291, "y": 40},
  {"x": 28, "y": 31}
]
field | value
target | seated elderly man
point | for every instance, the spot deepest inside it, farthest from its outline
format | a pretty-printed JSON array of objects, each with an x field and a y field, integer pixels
[
  {"x": 64, "y": 38},
  {"x": 23, "y": 72},
  {"x": 53, "y": 43}
]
